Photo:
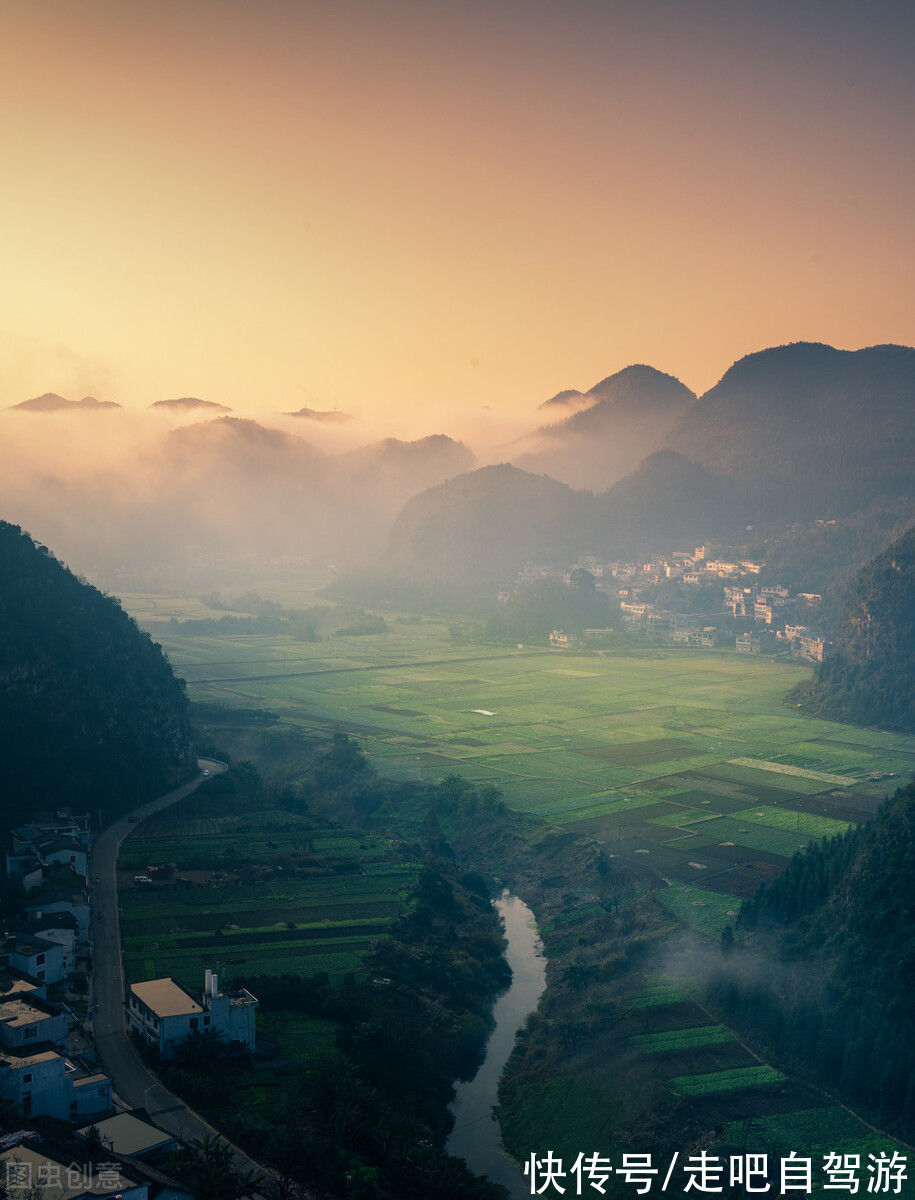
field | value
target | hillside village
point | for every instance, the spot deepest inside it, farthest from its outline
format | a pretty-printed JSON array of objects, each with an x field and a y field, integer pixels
[
  {"x": 49, "y": 1070},
  {"x": 730, "y": 604}
]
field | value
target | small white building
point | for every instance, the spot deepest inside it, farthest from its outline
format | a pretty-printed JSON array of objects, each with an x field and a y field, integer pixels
[
  {"x": 24, "y": 1023},
  {"x": 37, "y": 957},
  {"x": 46, "y": 1084},
  {"x": 62, "y": 893},
  {"x": 163, "y": 1013}
]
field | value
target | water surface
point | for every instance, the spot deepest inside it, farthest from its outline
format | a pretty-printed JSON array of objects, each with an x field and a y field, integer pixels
[{"x": 476, "y": 1136}]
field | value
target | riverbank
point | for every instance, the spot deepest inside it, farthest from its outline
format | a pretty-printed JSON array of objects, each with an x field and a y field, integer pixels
[{"x": 477, "y": 1134}]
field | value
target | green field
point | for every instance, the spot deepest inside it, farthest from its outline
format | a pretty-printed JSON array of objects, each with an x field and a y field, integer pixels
[
  {"x": 726, "y": 1081},
  {"x": 704, "y": 910},
  {"x": 686, "y": 765},
  {"x": 681, "y": 1039},
  {"x": 570, "y": 734},
  {"x": 265, "y": 894}
]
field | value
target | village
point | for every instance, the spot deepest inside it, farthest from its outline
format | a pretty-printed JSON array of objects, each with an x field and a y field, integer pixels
[
  {"x": 730, "y": 604},
  {"x": 49, "y": 1067}
]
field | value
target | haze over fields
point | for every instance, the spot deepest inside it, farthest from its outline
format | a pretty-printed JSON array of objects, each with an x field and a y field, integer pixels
[{"x": 792, "y": 433}]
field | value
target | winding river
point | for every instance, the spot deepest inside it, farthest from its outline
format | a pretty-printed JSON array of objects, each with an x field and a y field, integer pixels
[{"x": 476, "y": 1136}]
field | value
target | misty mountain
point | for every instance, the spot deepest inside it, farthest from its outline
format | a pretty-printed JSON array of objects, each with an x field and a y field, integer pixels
[
  {"x": 331, "y": 415},
  {"x": 484, "y": 525},
  {"x": 625, "y": 417},
  {"x": 406, "y": 468},
  {"x": 238, "y": 443},
  {"x": 229, "y": 492},
  {"x": 189, "y": 404},
  {"x": 808, "y": 429},
  {"x": 666, "y": 501},
  {"x": 90, "y": 712},
  {"x": 870, "y": 677},
  {"x": 564, "y": 401},
  {"x": 50, "y": 402}
]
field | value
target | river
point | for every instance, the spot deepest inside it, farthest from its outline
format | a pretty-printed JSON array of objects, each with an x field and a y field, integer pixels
[{"x": 476, "y": 1136}]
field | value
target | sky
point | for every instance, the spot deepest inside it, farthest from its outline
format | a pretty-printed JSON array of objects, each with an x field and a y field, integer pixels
[{"x": 429, "y": 214}]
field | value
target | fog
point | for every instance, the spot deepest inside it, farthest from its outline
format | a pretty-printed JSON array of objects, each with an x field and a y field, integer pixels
[{"x": 152, "y": 497}]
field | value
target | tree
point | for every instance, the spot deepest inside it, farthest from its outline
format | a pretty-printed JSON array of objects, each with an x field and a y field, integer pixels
[
  {"x": 582, "y": 580},
  {"x": 207, "y": 1166},
  {"x": 95, "y": 1147}
]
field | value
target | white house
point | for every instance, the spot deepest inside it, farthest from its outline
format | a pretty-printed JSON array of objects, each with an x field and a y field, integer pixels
[
  {"x": 25, "y": 1023},
  {"x": 63, "y": 850},
  {"x": 61, "y": 927},
  {"x": 36, "y": 1084},
  {"x": 35, "y": 956},
  {"x": 63, "y": 893},
  {"x": 45, "y": 1084},
  {"x": 163, "y": 1013}
]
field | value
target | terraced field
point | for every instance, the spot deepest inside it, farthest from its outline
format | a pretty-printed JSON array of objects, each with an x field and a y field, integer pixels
[
  {"x": 269, "y": 894},
  {"x": 757, "y": 1107}
]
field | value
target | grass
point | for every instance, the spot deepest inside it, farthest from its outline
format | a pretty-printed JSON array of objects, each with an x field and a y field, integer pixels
[
  {"x": 736, "y": 1079},
  {"x": 705, "y": 911},
  {"x": 813, "y": 1132},
  {"x": 257, "y": 897},
  {"x": 656, "y": 995},
  {"x": 801, "y": 822},
  {"x": 681, "y": 1039},
  {"x": 571, "y": 731}
]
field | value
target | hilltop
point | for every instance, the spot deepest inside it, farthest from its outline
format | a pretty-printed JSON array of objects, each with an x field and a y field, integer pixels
[
  {"x": 808, "y": 429},
  {"x": 620, "y": 420},
  {"x": 50, "y": 402}
]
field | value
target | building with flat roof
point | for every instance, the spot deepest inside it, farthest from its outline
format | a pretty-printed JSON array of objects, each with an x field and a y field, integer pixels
[
  {"x": 41, "y": 959},
  {"x": 163, "y": 1013},
  {"x": 126, "y": 1134},
  {"x": 43, "y": 1083},
  {"x": 24, "y": 1023},
  {"x": 29, "y": 1172}
]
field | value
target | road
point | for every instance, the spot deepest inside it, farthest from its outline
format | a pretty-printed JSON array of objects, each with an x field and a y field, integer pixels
[{"x": 131, "y": 1079}]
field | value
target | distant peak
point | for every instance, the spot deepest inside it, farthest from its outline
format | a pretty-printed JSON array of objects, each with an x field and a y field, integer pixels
[
  {"x": 563, "y": 399},
  {"x": 189, "y": 404},
  {"x": 51, "y": 402},
  {"x": 330, "y": 415}
]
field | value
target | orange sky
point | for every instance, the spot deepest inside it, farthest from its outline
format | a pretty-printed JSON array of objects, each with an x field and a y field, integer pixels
[{"x": 410, "y": 210}]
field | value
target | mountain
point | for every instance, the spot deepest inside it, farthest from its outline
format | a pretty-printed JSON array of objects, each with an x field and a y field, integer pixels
[
  {"x": 189, "y": 404},
  {"x": 809, "y": 430},
  {"x": 668, "y": 500},
  {"x": 625, "y": 417},
  {"x": 50, "y": 402},
  {"x": 869, "y": 677},
  {"x": 408, "y": 467},
  {"x": 486, "y": 524},
  {"x": 332, "y": 415},
  {"x": 90, "y": 713},
  {"x": 570, "y": 398},
  {"x": 242, "y": 444},
  {"x": 824, "y": 968}
]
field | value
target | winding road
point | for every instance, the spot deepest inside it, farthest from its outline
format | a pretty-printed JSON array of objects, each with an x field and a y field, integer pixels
[{"x": 132, "y": 1081}]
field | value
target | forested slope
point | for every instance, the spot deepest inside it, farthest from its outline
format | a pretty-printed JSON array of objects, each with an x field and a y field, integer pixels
[
  {"x": 91, "y": 715},
  {"x": 823, "y": 973},
  {"x": 870, "y": 677}
]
